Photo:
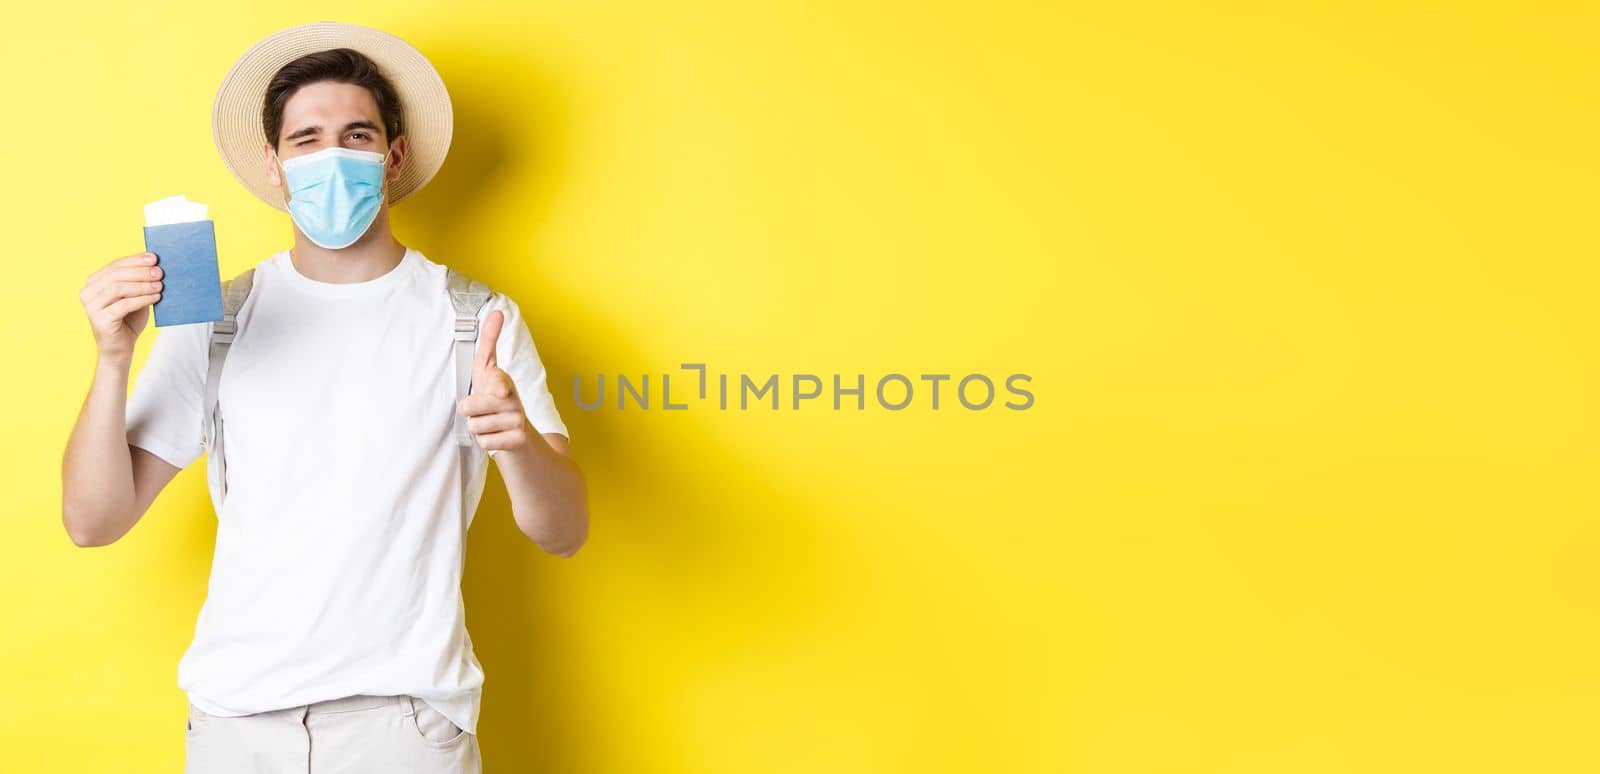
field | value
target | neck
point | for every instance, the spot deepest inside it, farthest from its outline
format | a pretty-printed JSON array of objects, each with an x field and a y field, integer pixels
[{"x": 372, "y": 256}]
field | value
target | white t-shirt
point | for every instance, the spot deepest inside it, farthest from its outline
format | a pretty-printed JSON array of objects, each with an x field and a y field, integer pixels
[{"x": 341, "y": 542}]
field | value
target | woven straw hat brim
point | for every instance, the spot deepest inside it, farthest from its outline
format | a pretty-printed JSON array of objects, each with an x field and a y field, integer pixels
[{"x": 424, "y": 104}]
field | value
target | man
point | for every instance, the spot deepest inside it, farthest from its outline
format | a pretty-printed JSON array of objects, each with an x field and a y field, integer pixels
[{"x": 332, "y": 637}]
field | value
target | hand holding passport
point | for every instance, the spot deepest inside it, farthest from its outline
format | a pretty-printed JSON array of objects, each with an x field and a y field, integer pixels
[{"x": 185, "y": 245}]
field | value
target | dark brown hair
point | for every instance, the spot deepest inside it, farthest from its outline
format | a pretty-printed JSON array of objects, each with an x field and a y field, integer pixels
[{"x": 340, "y": 65}]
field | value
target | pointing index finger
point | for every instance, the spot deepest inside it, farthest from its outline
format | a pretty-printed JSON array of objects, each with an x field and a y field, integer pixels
[{"x": 488, "y": 336}]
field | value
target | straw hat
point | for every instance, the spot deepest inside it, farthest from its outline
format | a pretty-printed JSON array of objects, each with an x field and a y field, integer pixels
[{"x": 424, "y": 103}]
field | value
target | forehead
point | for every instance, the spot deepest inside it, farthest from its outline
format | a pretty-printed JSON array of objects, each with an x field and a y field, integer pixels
[{"x": 330, "y": 105}]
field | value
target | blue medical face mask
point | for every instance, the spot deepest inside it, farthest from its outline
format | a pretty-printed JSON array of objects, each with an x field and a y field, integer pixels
[{"x": 335, "y": 193}]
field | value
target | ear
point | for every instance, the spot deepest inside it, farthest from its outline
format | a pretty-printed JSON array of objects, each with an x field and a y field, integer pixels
[
  {"x": 397, "y": 158},
  {"x": 269, "y": 157}
]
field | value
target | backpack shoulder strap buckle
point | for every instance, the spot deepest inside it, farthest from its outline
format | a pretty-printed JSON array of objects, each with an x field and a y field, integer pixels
[{"x": 467, "y": 297}]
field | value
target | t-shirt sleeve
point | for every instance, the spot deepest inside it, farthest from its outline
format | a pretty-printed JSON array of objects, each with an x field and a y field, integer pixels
[
  {"x": 516, "y": 354},
  {"x": 163, "y": 411}
]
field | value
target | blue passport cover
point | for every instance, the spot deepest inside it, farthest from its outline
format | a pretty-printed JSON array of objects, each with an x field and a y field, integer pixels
[{"x": 191, "y": 289}]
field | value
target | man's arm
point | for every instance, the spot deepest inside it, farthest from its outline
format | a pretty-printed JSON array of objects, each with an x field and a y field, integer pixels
[
  {"x": 107, "y": 484},
  {"x": 548, "y": 497}
]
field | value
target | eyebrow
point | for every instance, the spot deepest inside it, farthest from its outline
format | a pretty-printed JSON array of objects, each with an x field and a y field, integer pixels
[{"x": 310, "y": 130}]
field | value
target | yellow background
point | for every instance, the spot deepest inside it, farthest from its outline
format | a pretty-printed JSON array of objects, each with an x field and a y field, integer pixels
[{"x": 1306, "y": 292}]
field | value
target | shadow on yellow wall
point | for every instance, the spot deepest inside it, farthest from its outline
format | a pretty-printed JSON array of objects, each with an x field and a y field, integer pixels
[{"x": 536, "y": 702}]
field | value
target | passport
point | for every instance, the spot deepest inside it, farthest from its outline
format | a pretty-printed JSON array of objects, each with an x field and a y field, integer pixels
[{"x": 191, "y": 283}]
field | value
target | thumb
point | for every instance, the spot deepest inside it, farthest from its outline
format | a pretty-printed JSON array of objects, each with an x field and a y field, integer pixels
[{"x": 488, "y": 336}]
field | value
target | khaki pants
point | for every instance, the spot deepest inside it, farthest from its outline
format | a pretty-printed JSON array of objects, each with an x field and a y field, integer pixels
[{"x": 360, "y": 734}]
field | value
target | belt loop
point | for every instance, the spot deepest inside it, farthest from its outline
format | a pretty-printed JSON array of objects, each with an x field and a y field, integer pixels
[{"x": 407, "y": 705}]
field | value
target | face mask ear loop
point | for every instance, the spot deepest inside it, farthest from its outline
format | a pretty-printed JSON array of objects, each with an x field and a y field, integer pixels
[
  {"x": 385, "y": 164},
  {"x": 283, "y": 174}
]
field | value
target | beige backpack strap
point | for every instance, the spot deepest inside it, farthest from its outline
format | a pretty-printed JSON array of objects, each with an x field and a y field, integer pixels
[
  {"x": 234, "y": 293},
  {"x": 467, "y": 297}
]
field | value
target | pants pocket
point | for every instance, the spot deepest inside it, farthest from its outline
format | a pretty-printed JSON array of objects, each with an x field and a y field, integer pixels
[
  {"x": 193, "y": 743},
  {"x": 193, "y": 720},
  {"x": 432, "y": 727}
]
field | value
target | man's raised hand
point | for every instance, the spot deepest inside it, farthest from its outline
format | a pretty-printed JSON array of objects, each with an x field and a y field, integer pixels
[
  {"x": 493, "y": 409},
  {"x": 115, "y": 298}
]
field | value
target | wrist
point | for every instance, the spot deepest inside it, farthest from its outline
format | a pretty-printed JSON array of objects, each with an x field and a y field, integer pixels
[{"x": 107, "y": 362}]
